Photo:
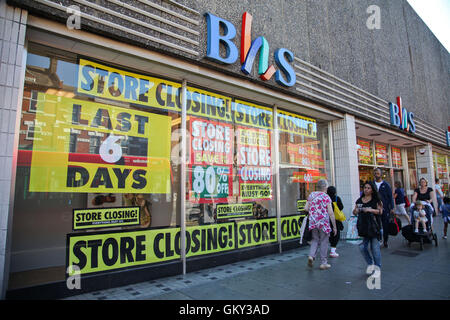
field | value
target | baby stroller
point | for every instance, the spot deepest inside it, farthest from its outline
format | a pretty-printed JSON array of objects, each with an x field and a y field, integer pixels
[{"x": 421, "y": 237}]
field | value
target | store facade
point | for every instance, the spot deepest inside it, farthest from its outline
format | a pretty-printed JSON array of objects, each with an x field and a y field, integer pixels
[{"x": 137, "y": 155}]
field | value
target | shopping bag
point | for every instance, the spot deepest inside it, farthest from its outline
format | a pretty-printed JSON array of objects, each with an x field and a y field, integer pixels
[
  {"x": 352, "y": 230},
  {"x": 338, "y": 214}
]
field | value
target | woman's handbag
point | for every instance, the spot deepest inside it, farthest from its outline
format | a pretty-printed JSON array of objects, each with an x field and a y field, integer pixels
[
  {"x": 338, "y": 214},
  {"x": 394, "y": 227}
]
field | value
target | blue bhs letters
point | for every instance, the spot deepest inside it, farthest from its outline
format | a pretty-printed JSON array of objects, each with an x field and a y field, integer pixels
[
  {"x": 285, "y": 76},
  {"x": 401, "y": 118}
]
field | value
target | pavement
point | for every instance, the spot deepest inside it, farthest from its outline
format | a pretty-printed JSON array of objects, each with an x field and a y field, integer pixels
[{"x": 407, "y": 273}]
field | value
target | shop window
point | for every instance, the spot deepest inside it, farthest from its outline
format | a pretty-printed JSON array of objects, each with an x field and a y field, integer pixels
[
  {"x": 381, "y": 155},
  {"x": 412, "y": 169},
  {"x": 365, "y": 153},
  {"x": 397, "y": 161},
  {"x": 304, "y": 159},
  {"x": 91, "y": 162},
  {"x": 441, "y": 172},
  {"x": 230, "y": 174}
]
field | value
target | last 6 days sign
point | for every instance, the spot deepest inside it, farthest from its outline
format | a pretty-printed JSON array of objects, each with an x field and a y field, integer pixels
[{"x": 86, "y": 147}]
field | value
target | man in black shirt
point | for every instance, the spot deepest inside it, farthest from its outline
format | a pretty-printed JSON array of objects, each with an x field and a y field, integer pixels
[{"x": 385, "y": 193}]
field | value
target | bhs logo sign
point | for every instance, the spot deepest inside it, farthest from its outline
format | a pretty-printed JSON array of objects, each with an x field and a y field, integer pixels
[
  {"x": 249, "y": 50},
  {"x": 400, "y": 117}
]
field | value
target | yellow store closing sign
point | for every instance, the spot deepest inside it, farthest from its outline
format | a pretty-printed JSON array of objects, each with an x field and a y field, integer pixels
[
  {"x": 256, "y": 232},
  {"x": 102, "y": 81},
  {"x": 105, "y": 217},
  {"x": 66, "y": 158},
  {"x": 115, "y": 250},
  {"x": 290, "y": 226},
  {"x": 296, "y": 124}
]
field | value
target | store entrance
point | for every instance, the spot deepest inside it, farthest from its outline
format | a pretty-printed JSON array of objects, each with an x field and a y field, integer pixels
[
  {"x": 366, "y": 174},
  {"x": 398, "y": 176}
]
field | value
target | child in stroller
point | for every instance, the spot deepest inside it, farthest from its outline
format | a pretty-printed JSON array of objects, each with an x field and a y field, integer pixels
[
  {"x": 420, "y": 216},
  {"x": 425, "y": 234}
]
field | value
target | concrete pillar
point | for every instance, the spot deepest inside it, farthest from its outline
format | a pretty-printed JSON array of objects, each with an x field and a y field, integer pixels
[
  {"x": 346, "y": 162},
  {"x": 425, "y": 168},
  {"x": 12, "y": 39}
]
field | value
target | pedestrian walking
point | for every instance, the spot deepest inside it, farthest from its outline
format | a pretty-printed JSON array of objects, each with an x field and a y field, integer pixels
[
  {"x": 446, "y": 215},
  {"x": 385, "y": 193},
  {"x": 334, "y": 239},
  {"x": 399, "y": 196},
  {"x": 320, "y": 212},
  {"x": 369, "y": 210},
  {"x": 439, "y": 193}
]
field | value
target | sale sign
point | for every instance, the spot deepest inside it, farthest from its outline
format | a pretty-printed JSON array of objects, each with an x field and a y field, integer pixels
[
  {"x": 254, "y": 164},
  {"x": 211, "y": 142},
  {"x": 305, "y": 155},
  {"x": 211, "y": 161},
  {"x": 365, "y": 155},
  {"x": 396, "y": 157},
  {"x": 210, "y": 184},
  {"x": 381, "y": 154},
  {"x": 96, "y": 148}
]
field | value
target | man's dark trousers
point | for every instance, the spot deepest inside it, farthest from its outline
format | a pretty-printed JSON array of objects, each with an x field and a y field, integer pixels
[{"x": 385, "y": 193}]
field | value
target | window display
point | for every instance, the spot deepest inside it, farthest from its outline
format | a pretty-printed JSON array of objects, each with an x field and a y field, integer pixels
[
  {"x": 396, "y": 157},
  {"x": 230, "y": 173},
  {"x": 381, "y": 155},
  {"x": 95, "y": 153},
  {"x": 365, "y": 154},
  {"x": 303, "y": 151},
  {"x": 98, "y": 183}
]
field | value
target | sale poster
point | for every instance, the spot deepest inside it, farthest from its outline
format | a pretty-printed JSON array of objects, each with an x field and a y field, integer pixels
[
  {"x": 211, "y": 161},
  {"x": 396, "y": 157},
  {"x": 306, "y": 155},
  {"x": 381, "y": 154},
  {"x": 254, "y": 164},
  {"x": 365, "y": 155},
  {"x": 90, "y": 147}
]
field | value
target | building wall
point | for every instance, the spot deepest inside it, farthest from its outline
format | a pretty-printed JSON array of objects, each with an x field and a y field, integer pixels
[
  {"x": 402, "y": 58},
  {"x": 12, "y": 36}
]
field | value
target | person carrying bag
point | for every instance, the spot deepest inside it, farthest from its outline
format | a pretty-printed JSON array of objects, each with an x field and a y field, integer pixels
[
  {"x": 339, "y": 216},
  {"x": 369, "y": 209}
]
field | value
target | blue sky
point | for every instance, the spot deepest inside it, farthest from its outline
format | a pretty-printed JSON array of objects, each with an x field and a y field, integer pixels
[{"x": 436, "y": 15}]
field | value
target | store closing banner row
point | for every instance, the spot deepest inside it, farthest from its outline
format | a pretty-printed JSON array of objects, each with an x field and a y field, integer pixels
[{"x": 103, "y": 251}]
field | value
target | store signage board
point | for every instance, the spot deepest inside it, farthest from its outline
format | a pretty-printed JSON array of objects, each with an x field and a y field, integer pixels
[
  {"x": 102, "y": 251},
  {"x": 234, "y": 210},
  {"x": 448, "y": 138},
  {"x": 284, "y": 76},
  {"x": 95, "y": 218},
  {"x": 401, "y": 117}
]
